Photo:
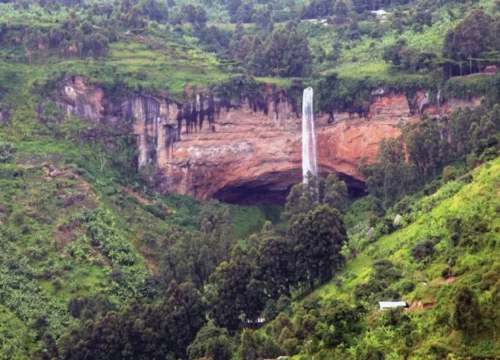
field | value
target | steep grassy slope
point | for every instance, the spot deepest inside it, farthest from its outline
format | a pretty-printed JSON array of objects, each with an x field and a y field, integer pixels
[
  {"x": 463, "y": 222},
  {"x": 69, "y": 229}
]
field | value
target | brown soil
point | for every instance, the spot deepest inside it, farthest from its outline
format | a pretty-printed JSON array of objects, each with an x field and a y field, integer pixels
[
  {"x": 419, "y": 305},
  {"x": 449, "y": 280}
]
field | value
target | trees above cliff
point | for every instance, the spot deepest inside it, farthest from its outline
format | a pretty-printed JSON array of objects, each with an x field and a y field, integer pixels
[
  {"x": 284, "y": 52},
  {"x": 473, "y": 37}
]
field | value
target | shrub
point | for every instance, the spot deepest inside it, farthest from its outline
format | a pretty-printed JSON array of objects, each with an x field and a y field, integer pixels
[
  {"x": 57, "y": 283},
  {"x": 281, "y": 322},
  {"x": 489, "y": 279},
  {"x": 432, "y": 187},
  {"x": 305, "y": 326},
  {"x": 404, "y": 205},
  {"x": 284, "y": 305},
  {"x": 388, "y": 225},
  {"x": 110, "y": 191},
  {"x": 148, "y": 239},
  {"x": 406, "y": 286},
  {"x": 270, "y": 310},
  {"x": 141, "y": 75},
  {"x": 466, "y": 315},
  {"x": 422, "y": 250},
  {"x": 384, "y": 270},
  {"x": 155, "y": 211},
  {"x": 449, "y": 173},
  {"x": 289, "y": 346},
  {"x": 6, "y": 153},
  {"x": 373, "y": 219},
  {"x": 365, "y": 291},
  {"x": 311, "y": 303},
  {"x": 442, "y": 318},
  {"x": 445, "y": 272}
]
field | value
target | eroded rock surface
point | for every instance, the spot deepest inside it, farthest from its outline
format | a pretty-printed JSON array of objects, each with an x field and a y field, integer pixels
[{"x": 245, "y": 151}]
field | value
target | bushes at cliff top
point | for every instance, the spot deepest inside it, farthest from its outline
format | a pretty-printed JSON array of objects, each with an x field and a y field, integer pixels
[
  {"x": 355, "y": 93},
  {"x": 473, "y": 86}
]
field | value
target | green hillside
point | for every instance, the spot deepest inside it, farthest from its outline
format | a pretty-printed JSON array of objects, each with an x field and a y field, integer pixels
[
  {"x": 70, "y": 230},
  {"x": 461, "y": 221},
  {"x": 95, "y": 263}
]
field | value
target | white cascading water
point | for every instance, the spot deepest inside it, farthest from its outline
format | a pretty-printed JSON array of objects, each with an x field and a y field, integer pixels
[{"x": 309, "y": 162}]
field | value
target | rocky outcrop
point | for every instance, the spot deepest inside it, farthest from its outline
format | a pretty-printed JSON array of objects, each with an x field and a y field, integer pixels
[
  {"x": 255, "y": 158},
  {"x": 244, "y": 151}
]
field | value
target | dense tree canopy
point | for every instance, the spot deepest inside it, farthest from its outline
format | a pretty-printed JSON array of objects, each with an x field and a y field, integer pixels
[
  {"x": 140, "y": 331},
  {"x": 317, "y": 238}
]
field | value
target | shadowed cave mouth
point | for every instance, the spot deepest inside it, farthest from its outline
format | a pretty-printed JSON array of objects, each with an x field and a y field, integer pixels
[{"x": 272, "y": 188}]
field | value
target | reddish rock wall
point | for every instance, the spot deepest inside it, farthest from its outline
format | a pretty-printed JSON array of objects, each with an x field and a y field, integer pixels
[
  {"x": 245, "y": 156},
  {"x": 253, "y": 158}
]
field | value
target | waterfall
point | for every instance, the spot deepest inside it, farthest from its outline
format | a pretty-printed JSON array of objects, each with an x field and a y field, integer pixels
[{"x": 309, "y": 163}]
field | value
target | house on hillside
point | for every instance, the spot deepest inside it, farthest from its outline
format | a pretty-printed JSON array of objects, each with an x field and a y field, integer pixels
[
  {"x": 260, "y": 320},
  {"x": 316, "y": 21},
  {"x": 380, "y": 14},
  {"x": 385, "y": 305}
]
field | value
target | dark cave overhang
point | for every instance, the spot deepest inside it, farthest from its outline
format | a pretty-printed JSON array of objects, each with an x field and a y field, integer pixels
[{"x": 272, "y": 188}]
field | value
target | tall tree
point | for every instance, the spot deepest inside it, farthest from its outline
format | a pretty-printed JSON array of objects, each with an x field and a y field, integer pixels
[
  {"x": 211, "y": 342},
  {"x": 335, "y": 193},
  {"x": 472, "y": 36},
  {"x": 423, "y": 145},
  {"x": 317, "y": 239},
  {"x": 276, "y": 264},
  {"x": 240, "y": 296}
]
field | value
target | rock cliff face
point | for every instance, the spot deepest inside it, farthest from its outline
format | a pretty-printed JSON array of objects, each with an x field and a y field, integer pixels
[{"x": 248, "y": 151}]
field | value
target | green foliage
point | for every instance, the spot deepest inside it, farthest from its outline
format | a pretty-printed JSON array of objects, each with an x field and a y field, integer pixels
[
  {"x": 21, "y": 294},
  {"x": 472, "y": 37},
  {"x": 255, "y": 346},
  {"x": 340, "y": 324},
  {"x": 466, "y": 315},
  {"x": 146, "y": 331},
  {"x": 446, "y": 218},
  {"x": 239, "y": 296},
  {"x": 277, "y": 264},
  {"x": 422, "y": 250},
  {"x": 317, "y": 238},
  {"x": 449, "y": 173},
  {"x": 306, "y": 197},
  {"x": 6, "y": 153},
  {"x": 82, "y": 234},
  {"x": 211, "y": 342}
]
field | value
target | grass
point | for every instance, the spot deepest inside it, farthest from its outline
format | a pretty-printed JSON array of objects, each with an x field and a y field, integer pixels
[
  {"x": 81, "y": 281},
  {"x": 162, "y": 62},
  {"x": 282, "y": 83},
  {"x": 249, "y": 220},
  {"x": 170, "y": 68},
  {"x": 479, "y": 199},
  {"x": 16, "y": 340},
  {"x": 377, "y": 70}
]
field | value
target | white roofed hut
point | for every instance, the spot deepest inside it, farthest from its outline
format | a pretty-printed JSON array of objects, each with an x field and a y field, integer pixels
[
  {"x": 380, "y": 14},
  {"x": 385, "y": 305}
]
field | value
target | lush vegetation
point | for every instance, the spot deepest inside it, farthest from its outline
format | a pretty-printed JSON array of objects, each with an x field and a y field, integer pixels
[
  {"x": 151, "y": 46},
  {"x": 94, "y": 264}
]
